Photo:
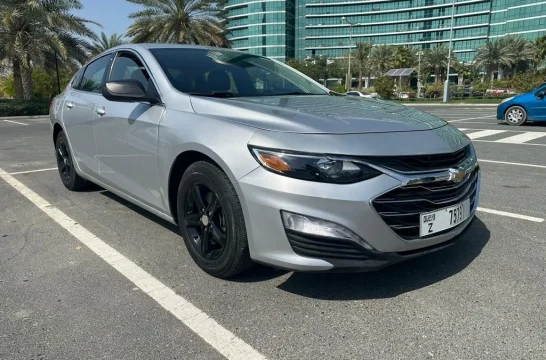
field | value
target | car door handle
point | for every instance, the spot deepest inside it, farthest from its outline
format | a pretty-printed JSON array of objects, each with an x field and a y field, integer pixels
[
  {"x": 101, "y": 111},
  {"x": 69, "y": 104}
]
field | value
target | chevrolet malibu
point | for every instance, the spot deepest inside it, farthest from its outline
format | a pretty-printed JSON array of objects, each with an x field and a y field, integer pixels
[{"x": 256, "y": 162}]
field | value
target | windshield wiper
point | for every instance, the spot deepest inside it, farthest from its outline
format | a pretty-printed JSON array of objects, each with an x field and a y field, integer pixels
[{"x": 218, "y": 94}]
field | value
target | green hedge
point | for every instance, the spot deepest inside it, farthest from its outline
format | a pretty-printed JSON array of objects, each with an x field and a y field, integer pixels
[{"x": 24, "y": 108}]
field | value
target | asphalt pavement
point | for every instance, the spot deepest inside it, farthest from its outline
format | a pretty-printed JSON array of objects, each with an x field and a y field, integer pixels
[{"x": 64, "y": 297}]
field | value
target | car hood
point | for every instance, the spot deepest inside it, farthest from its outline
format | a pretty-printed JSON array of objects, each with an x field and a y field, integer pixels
[{"x": 318, "y": 114}]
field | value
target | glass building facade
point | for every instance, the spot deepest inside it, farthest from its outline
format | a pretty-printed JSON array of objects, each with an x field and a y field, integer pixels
[
  {"x": 263, "y": 27},
  {"x": 302, "y": 28}
]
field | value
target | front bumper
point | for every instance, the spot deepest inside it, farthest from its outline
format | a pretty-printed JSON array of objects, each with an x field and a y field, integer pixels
[
  {"x": 266, "y": 194},
  {"x": 501, "y": 109}
]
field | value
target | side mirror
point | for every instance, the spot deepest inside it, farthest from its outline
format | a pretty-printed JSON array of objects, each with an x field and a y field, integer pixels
[{"x": 127, "y": 91}]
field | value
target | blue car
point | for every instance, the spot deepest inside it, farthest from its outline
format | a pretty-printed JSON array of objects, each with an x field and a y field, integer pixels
[{"x": 520, "y": 108}]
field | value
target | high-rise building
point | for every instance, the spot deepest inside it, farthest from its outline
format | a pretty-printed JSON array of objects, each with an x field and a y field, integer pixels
[
  {"x": 300, "y": 28},
  {"x": 261, "y": 27}
]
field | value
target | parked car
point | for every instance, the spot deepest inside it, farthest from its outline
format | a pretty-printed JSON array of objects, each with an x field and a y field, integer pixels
[
  {"x": 257, "y": 162},
  {"x": 406, "y": 95},
  {"x": 499, "y": 92},
  {"x": 362, "y": 94},
  {"x": 516, "y": 110}
]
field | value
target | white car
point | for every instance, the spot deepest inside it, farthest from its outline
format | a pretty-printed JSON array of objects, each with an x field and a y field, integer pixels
[{"x": 362, "y": 94}]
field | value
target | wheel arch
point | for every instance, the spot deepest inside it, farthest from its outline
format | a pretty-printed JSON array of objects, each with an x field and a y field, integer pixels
[
  {"x": 57, "y": 128},
  {"x": 181, "y": 163}
]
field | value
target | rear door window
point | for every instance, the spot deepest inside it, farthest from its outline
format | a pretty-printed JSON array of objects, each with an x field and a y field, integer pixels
[
  {"x": 94, "y": 74},
  {"x": 77, "y": 79}
]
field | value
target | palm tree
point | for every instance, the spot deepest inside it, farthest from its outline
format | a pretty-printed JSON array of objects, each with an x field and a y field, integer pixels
[
  {"x": 34, "y": 32},
  {"x": 104, "y": 43},
  {"x": 381, "y": 58},
  {"x": 405, "y": 56},
  {"x": 360, "y": 55},
  {"x": 540, "y": 51},
  {"x": 435, "y": 60},
  {"x": 492, "y": 55},
  {"x": 177, "y": 21},
  {"x": 522, "y": 52}
]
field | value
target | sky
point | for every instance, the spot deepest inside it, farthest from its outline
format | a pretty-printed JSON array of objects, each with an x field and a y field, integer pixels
[{"x": 111, "y": 14}]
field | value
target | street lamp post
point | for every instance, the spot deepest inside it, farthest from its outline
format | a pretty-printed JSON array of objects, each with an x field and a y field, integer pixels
[
  {"x": 349, "y": 77},
  {"x": 446, "y": 84},
  {"x": 419, "y": 76}
]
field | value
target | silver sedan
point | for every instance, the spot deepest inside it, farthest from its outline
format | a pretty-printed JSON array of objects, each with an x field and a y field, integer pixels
[{"x": 258, "y": 163}]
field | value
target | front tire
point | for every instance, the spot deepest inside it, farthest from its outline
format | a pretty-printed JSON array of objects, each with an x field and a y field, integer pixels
[
  {"x": 515, "y": 116},
  {"x": 70, "y": 179},
  {"x": 211, "y": 221}
]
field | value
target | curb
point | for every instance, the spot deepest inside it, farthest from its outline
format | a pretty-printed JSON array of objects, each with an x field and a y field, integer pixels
[{"x": 24, "y": 117}]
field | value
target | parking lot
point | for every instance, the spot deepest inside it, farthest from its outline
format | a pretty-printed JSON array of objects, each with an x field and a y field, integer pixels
[{"x": 87, "y": 275}]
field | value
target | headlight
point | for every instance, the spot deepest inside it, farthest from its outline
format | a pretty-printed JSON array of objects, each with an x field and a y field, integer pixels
[
  {"x": 313, "y": 167},
  {"x": 507, "y": 99}
]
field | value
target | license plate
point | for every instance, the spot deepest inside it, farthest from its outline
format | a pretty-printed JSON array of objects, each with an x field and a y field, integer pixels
[{"x": 444, "y": 219}]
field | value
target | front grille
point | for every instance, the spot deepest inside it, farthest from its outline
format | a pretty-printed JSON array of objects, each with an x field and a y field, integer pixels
[
  {"x": 401, "y": 208},
  {"x": 324, "y": 248},
  {"x": 420, "y": 163}
]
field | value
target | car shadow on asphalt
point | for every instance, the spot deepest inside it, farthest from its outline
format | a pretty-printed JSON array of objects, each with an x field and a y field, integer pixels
[
  {"x": 385, "y": 283},
  {"x": 395, "y": 280},
  {"x": 145, "y": 213}
]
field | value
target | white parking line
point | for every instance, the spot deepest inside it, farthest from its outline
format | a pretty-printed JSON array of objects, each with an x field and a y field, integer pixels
[
  {"x": 509, "y": 214},
  {"x": 505, "y": 130},
  {"x": 472, "y": 118},
  {"x": 522, "y": 138},
  {"x": 221, "y": 339},
  {"x": 484, "y": 133},
  {"x": 15, "y": 122},
  {"x": 480, "y": 122},
  {"x": 32, "y": 171},
  {"x": 512, "y": 163},
  {"x": 495, "y": 142}
]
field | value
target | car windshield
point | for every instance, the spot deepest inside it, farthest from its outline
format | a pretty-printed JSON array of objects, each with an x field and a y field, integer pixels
[
  {"x": 227, "y": 73},
  {"x": 540, "y": 88}
]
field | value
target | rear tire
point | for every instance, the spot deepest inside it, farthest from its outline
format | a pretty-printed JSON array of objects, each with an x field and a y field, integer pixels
[
  {"x": 70, "y": 179},
  {"x": 515, "y": 116},
  {"x": 211, "y": 221}
]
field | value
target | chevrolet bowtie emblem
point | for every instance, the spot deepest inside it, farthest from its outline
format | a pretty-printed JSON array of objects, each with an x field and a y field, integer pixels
[{"x": 456, "y": 175}]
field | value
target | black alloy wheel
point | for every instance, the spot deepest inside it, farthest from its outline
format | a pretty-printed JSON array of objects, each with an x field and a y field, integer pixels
[
  {"x": 211, "y": 221},
  {"x": 69, "y": 177},
  {"x": 64, "y": 163},
  {"x": 205, "y": 221}
]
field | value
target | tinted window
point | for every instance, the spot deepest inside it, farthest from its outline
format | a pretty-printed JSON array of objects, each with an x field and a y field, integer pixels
[
  {"x": 127, "y": 66},
  {"x": 93, "y": 75},
  {"x": 77, "y": 79},
  {"x": 227, "y": 72},
  {"x": 352, "y": 93}
]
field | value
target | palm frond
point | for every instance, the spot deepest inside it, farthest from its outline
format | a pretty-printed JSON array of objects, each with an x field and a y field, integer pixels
[{"x": 177, "y": 21}]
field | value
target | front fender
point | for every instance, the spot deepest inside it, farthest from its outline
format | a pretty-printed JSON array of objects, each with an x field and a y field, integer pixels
[{"x": 224, "y": 142}]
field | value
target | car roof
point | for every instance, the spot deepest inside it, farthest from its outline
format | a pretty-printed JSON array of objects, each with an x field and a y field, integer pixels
[{"x": 169, "y": 46}]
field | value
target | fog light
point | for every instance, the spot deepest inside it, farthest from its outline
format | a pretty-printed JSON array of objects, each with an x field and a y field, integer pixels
[{"x": 317, "y": 227}]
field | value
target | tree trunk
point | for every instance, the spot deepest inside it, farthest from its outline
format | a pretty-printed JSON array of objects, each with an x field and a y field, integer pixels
[
  {"x": 368, "y": 80},
  {"x": 436, "y": 77},
  {"x": 360, "y": 79},
  {"x": 492, "y": 74},
  {"x": 26, "y": 74},
  {"x": 18, "y": 81}
]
